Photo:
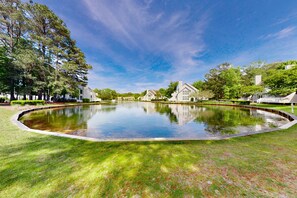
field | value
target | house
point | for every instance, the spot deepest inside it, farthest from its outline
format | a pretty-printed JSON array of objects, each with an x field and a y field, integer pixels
[
  {"x": 128, "y": 98},
  {"x": 289, "y": 99},
  {"x": 87, "y": 92},
  {"x": 264, "y": 97},
  {"x": 183, "y": 93},
  {"x": 150, "y": 95}
]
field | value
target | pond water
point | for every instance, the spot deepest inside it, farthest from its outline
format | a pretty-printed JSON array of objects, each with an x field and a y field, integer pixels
[{"x": 152, "y": 120}]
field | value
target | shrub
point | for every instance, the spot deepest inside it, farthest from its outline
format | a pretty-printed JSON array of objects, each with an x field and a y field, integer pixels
[
  {"x": 64, "y": 100},
  {"x": 2, "y": 100},
  {"x": 27, "y": 102},
  {"x": 158, "y": 99},
  {"x": 86, "y": 100},
  {"x": 241, "y": 102}
]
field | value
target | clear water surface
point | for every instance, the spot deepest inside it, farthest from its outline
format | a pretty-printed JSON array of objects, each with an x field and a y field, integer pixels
[{"x": 152, "y": 120}]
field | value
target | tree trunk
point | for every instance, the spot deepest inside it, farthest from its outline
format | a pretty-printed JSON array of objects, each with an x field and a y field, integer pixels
[
  {"x": 39, "y": 95},
  {"x": 12, "y": 90}
]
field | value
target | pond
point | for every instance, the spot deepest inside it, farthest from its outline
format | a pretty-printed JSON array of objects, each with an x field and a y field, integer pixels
[{"x": 152, "y": 120}]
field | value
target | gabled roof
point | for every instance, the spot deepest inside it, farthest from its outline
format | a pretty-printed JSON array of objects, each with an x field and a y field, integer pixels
[
  {"x": 152, "y": 91},
  {"x": 191, "y": 86}
]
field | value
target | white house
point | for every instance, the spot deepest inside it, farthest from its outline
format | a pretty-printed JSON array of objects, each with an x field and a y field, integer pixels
[
  {"x": 150, "y": 95},
  {"x": 183, "y": 93},
  {"x": 87, "y": 92},
  {"x": 264, "y": 97},
  {"x": 291, "y": 98}
]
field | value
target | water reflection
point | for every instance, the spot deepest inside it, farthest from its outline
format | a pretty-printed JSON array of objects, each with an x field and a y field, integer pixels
[{"x": 152, "y": 120}]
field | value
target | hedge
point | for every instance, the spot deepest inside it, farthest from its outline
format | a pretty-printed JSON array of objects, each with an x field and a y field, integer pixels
[
  {"x": 241, "y": 102},
  {"x": 27, "y": 102},
  {"x": 86, "y": 100},
  {"x": 2, "y": 100}
]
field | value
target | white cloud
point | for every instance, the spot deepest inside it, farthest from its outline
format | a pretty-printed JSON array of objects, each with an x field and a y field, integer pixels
[{"x": 272, "y": 50}]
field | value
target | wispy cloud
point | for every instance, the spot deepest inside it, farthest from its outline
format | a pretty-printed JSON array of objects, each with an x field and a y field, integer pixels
[
  {"x": 288, "y": 31},
  {"x": 136, "y": 26}
]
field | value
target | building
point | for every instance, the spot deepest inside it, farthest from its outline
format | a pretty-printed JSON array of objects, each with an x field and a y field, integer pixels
[
  {"x": 127, "y": 98},
  {"x": 264, "y": 97},
  {"x": 150, "y": 95},
  {"x": 289, "y": 99},
  {"x": 88, "y": 93},
  {"x": 183, "y": 93},
  {"x": 258, "y": 79}
]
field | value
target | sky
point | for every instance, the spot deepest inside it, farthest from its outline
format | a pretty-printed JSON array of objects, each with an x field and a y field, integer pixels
[{"x": 134, "y": 45}]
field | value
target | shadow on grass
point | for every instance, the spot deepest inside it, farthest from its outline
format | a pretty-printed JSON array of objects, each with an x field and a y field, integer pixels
[
  {"x": 66, "y": 166},
  {"x": 52, "y": 166}
]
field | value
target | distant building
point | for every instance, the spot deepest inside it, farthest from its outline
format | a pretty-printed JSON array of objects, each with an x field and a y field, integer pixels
[
  {"x": 150, "y": 95},
  {"x": 258, "y": 79},
  {"x": 87, "y": 92},
  {"x": 128, "y": 98},
  {"x": 183, "y": 93},
  {"x": 289, "y": 67},
  {"x": 292, "y": 98}
]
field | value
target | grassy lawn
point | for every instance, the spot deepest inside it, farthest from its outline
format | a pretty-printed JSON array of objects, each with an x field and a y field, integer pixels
[
  {"x": 34, "y": 165},
  {"x": 278, "y": 107}
]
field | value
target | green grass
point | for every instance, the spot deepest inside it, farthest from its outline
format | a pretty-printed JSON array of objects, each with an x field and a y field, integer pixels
[
  {"x": 286, "y": 108},
  {"x": 33, "y": 165}
]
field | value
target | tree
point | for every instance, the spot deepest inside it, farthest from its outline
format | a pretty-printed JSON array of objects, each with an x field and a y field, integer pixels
[
  {"x": 43, "y": 59},
  {"x": 250, "y": 71},
  {"x": 232, "y": 83},
  {"x": 203, "y": 95},
  {"x": 199, "y": 85},
  {"x": 11, "y": 31},
  {"x": 224, "y": 81},
  {"x": 4, "y": 67},
  {"x": 171, "y": 88},
  {"x": 162, "y": 92},
  {"x": 106, "y": 94},
  {"x": 282, "y": 82},
  {"x": 252, "y": 90}
]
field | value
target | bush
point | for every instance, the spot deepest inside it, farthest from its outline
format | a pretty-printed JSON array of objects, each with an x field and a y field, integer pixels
[
  {"x": 158, "y": 99},
  {"x": 2, "y": 100},
  {"x": 241, "y": 102},
  {"x": 27, "y": 102},
  {"x": 64, "y": 100},
  {"x": 86, "y": 100}
]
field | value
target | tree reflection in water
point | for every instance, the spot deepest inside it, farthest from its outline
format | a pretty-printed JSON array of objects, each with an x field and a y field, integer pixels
[{"x": 67, "y": 120}]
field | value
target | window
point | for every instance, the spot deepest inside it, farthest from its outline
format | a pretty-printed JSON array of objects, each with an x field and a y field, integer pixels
[
  {"x": 186, "y": 92},
  {"x": 185, "y": 97}
]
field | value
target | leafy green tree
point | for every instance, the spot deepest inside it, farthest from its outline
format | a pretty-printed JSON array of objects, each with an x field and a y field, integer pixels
[
  {"x": 199, "y": 85},
  {"x": 4, "y": 67},
  {"x": 252, "y": 90},
  {"x": 43, "y": 59},
  {"x": 232, "y": 83},
  {"x": 171, "y": 88},
  {"x": 203, "y": 95},
  {"x": 106, "y": 94},
  {"x": 224, "y": 81},
  {"x": 250, "y": 71},
  {"x": 11, "y": 31},
  {"x": 282, "y": 82}
]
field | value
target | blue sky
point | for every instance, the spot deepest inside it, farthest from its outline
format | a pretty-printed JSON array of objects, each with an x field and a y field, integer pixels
[{"x": 134, "y": 45}]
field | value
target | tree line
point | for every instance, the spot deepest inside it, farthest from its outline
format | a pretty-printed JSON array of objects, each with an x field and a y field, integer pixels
[
  {"x": 37, "y": 54},
  {"x": 231, "y": 82}
]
